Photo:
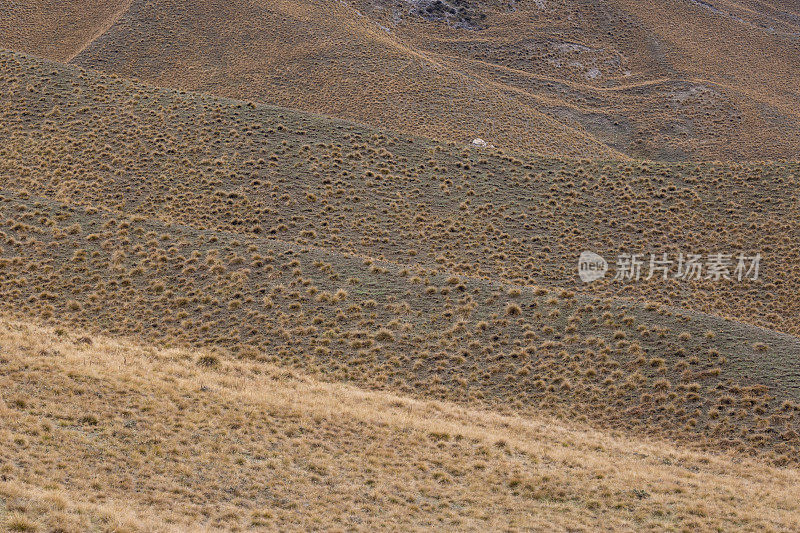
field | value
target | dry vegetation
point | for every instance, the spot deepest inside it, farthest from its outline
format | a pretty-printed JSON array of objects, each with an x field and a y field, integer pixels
[
  {"x": 378, "y": 325},
  {"x": 654, "y": 79},
  {"x": 220, "y": 165},
  {"x": 322, "y": 325},
  {"x": 192, "y": 221},
  {"x": 101, "y": 434},
  {"x": 56, "y": 30}
]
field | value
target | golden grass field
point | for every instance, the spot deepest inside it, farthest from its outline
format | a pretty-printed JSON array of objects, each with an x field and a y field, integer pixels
[{"x": 255, "y": 276}]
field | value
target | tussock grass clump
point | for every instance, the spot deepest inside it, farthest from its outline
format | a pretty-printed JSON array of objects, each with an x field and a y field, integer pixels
[{"x": 208, "y": 361}]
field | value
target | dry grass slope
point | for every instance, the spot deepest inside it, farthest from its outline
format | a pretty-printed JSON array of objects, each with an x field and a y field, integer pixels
[
  {"x": 110, "y": 435},
  {"x": 225, "y": 165},
  {"x": 56, "y": 30}
]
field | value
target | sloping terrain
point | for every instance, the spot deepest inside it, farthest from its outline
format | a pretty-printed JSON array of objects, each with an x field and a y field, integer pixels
[
  {"x": 108, "y": 435},
  {"x": 222, "y": 165},
  {"x": 292, "y": 245},
  {"x": 224, "y": 315},
  {"x": 514, "y": 349},
  {"x": 57, "y": 30},
  {"x": 655, "y": 79}
]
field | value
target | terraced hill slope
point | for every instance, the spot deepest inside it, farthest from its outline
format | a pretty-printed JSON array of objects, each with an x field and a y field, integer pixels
[
  {"x": 283, "y": 238},
  {"x": 674, "y": 80}
]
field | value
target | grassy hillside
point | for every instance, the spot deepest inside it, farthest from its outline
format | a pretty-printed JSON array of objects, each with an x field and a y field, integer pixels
[
  {"x": 220, "y": 314},
  {"x": 110, "y": 435},
  {"x": 256, "y": 171},
  {"x": 294, "y": 245},
  {"x": 654, "y": 79},
  {"x": 57, "y": 30}
]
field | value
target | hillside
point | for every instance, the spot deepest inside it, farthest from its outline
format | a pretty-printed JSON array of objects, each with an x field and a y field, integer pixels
[
  {"x": 264, "y": 172},
  {"x": 109, "y": 435},
  {"x": 291, "y": 245},
  {"x": 654, "y": 79},
  {"x": 56, "y": 30},
  {"x": 258, "y": 274}
]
